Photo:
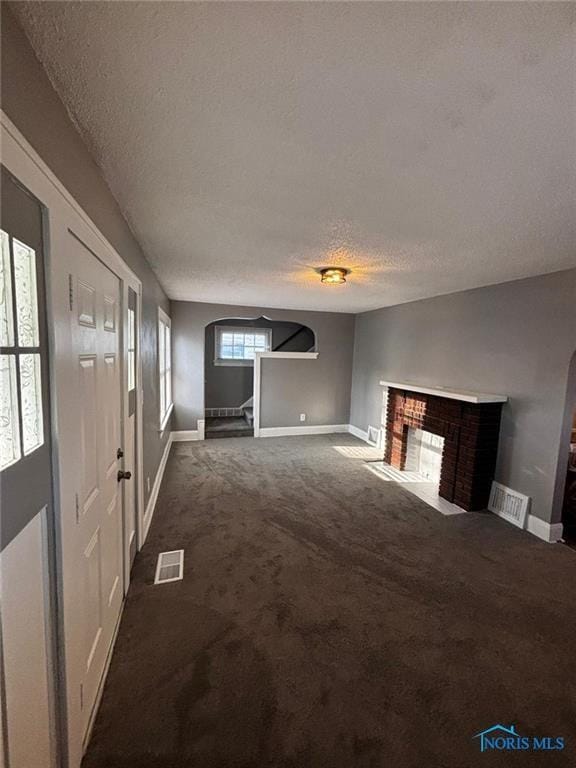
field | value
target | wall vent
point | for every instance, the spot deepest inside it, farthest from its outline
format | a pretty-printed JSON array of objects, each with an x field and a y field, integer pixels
[
  {"x": 509, "y": 504},
  {"x": 374, "y": 436},
  {"x": 214, "y": 412},
  {"x": 170, "y": 566}
]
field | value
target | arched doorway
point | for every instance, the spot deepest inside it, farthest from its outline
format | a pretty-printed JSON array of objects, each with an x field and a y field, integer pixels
[{"x": 230, "y": 348}]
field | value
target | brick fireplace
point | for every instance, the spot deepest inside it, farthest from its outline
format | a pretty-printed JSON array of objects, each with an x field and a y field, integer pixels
[{"x": 469, "y": 424}]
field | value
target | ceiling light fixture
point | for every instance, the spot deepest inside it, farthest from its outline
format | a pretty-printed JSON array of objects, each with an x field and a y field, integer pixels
[{"x": 334, "y": 275}]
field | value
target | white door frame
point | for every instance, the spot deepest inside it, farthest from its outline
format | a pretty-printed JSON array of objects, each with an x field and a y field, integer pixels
[
  {"x": 131, "y": 281},
  {"x": 64, "y": 214},
  {"x": 258, "y": 377}
]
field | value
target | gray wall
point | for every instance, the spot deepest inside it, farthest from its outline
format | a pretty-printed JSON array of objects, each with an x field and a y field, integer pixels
[
  {"x": 228, "y": 386},
  {"x": 292, "y": 387},
  {"x": 334, "y": 342},
  {"x": 515, "y": 338},
  {"x": 30, "y": 101}
]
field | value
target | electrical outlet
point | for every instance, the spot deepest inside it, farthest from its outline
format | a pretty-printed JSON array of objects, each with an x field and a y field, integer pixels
[
  {"x": 148, "y": 484},
  {"x": 302, "y": 417}
]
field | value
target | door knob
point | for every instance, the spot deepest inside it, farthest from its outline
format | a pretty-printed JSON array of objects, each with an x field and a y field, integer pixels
[{"x": 124, "y": 475}]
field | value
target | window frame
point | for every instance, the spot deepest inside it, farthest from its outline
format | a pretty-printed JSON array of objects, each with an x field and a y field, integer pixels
[
  {"x": 164, "y": 350},
  {"x": 244, "y": 361}
]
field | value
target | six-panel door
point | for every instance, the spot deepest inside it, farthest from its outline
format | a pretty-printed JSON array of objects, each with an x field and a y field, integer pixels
[{"x": 97, "y": 355}]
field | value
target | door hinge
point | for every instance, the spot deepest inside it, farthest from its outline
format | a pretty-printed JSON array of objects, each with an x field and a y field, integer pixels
[
  {"x": 70, "y": 292},
  {"x": 81, "y": 696},
  {"x": 77, "y": 509}
]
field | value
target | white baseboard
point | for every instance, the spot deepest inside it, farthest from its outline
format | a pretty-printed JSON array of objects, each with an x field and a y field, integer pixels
[
  {"x": 357, "y": 432},
  {"x": 186, "y": 435},
  {"x": 324, "y": 429},
  {"x": 365, "y": 435},
  {"x": 155, "y": 489},
  {"x": 550, "y": 532}
]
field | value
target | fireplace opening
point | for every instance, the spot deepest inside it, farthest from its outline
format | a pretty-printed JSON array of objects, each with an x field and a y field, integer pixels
[
  {"x": 422, "y": 469},
  {"x": 424, "y": 454}
]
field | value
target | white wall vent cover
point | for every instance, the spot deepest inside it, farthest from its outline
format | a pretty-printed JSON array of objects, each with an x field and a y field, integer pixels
[
  {"x": 509, "y": 504},
  {"x": 170, "y": 566},
  {"x": 374, "y": 436}
]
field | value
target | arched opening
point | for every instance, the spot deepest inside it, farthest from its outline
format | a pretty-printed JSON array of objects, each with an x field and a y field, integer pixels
[
  {"x": 566, "y": 480},
  {"x": 230, "y": 347}
]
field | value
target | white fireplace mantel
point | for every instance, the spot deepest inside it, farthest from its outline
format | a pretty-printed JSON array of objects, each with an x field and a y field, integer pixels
[{"x": 451, "y": 394}]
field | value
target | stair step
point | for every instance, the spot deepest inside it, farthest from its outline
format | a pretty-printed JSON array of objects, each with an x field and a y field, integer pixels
[{"x": 218, "y": 435}]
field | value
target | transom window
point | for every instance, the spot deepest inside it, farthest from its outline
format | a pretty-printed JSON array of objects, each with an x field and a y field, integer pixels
[
  {"x": 164, "y": 367},
  {"x": 21, "y": 419},
  {"x": 238, "y": 346}
]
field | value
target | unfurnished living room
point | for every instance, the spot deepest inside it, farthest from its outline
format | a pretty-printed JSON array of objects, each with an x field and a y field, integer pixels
[{"x": 288, "y": 384}]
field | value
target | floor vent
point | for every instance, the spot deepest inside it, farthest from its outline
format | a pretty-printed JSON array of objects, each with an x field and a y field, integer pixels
[
  {"x": 510, "y": 505},
  {"x": 170, "y": 566},
  {"x": 373, "y": 436}
]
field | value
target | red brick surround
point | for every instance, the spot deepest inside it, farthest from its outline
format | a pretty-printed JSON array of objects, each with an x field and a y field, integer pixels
[{"x": 470, "y": 433}]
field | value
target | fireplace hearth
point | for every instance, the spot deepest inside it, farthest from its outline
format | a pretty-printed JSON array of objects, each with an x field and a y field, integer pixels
[{"x": 469, "y": 425}]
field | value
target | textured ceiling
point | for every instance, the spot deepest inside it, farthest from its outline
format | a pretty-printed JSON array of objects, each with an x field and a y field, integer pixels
[{"x": 429, "y": 147}]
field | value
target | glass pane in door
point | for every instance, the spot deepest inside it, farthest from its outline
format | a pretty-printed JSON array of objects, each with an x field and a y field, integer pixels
[
  {"x": 26, "y": 294},
  {"x": 31, "y": 394},
  {"x": 9, "y": 422},
  {"x": 6, "y": 317}
]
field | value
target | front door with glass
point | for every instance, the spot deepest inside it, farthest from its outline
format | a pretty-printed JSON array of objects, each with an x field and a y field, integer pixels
[{"x": 26, "y": 507}]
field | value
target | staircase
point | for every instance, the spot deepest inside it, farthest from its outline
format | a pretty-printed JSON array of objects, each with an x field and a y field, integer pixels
[
  {"x": 232, "y": 426},
  {"x": 227, "y": 426},
  {"x": 302, "y": 340},
  {"x": 249, "y": 415}
]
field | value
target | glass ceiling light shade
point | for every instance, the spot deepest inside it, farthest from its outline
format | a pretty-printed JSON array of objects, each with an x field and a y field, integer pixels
[{"x": 334, "y": 275}]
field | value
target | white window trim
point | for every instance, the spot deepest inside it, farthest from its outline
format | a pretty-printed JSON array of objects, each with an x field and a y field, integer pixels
[
  {"x": 222, "y": 361},
  {"x": 164, "y": 421},
  {"x": 164, "y": 320}
]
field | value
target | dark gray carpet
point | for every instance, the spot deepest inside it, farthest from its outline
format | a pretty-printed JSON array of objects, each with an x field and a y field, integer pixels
[{"x": 328, "y": 618}]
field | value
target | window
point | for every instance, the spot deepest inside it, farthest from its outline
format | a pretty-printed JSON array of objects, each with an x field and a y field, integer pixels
[
  {"x": 21, "y": 419},
  {"x": 131, "y": 349},
  {"x": 164, "y": 367},
  {"x": 238, "y": 346}
]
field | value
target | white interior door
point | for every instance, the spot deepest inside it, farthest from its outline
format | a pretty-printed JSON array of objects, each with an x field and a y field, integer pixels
[{"x": 97, "y": 352}]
